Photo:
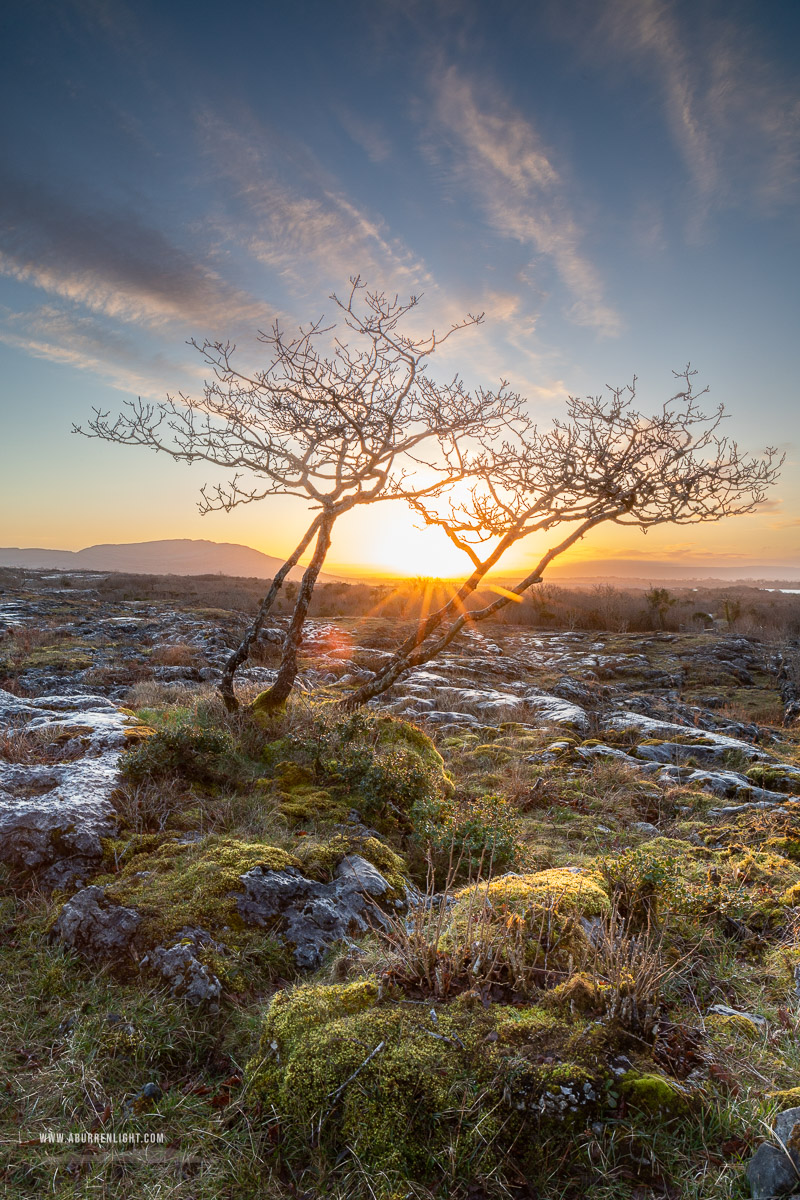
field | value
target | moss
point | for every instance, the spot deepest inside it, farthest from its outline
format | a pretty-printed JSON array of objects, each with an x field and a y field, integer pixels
[
  {"x": 576, "y": 892},
  {"x": 179, "y": 884},
  {"x": 654, "y": 1095},
  {"x": 300, "y": 799},
  {"x": 580, "y": 993},
  {"x": 121, "y": 850},
  {"x": 379, "y": 766},
  {"x": 773, "y": 778},
  {"x": 412, "y": 1092},
  {"x": 785, "y": 1099},
  {"x": 68, "y": 656},
  {"x": 320, "y": 859},
  {"x": 524, "y": 922},
  {"x": 789, "y": 847},
  {"x": 792, "y": 895},
  {"x": 726, "y": 1026},
  {"x": 526, "y": 1026}
]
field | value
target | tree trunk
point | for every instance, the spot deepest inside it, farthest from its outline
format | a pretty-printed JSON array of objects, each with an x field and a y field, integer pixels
[
  {"x": 287, "y": 672},
  {"x": 420, "y": 648},
  {"x": 242, "y": 651}
]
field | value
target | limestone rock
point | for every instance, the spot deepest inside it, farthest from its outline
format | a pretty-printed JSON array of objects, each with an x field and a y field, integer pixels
[
  {"x": 723, "y": 1010},
  {"x": 94, "y": 926},
  {"x": 314, "y": 915},
  {"x": 188, "y": 978},
  {"x": 53, "y": 814},
  {"x": 774, "y": 1170}
]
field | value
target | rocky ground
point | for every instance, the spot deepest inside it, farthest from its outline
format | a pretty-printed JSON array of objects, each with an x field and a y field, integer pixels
[{"x": 528, "y": 927}]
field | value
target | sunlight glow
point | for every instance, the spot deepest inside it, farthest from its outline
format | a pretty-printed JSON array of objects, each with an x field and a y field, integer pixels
[{"x": 400, "y": 548}]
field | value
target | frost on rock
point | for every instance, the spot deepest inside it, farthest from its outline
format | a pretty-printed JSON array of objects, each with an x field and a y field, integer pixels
[{"x": 53, "y": 815}]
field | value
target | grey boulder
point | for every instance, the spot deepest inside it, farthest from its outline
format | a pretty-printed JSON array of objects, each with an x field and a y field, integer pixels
[
  {"x": 314, "y": 915},
  {"x": 94, "y": 926},
  {"x": 774, "y": 1170}
]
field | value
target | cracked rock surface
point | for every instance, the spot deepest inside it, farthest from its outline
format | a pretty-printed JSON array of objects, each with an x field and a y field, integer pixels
[{"x": 314, "y": 914}]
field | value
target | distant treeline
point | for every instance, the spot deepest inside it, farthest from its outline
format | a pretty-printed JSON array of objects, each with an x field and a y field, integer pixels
[{"x": 748, "y": 610}]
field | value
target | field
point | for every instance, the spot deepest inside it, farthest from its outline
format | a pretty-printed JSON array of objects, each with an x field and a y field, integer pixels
[{"x": 529, "y": 928}]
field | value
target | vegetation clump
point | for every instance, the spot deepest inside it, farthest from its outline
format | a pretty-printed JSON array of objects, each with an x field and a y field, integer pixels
[
  {"x": 188, "y": 883},
  {"x": 415, "y": 1092}
]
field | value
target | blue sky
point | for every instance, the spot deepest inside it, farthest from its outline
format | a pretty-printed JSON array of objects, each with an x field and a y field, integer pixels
[{"x": 614, "y": 182}]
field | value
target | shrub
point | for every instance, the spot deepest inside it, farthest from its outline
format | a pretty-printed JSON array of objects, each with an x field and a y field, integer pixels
[
  {"x": 195, "y": 754},
  {"x": 480, "y": 834}
]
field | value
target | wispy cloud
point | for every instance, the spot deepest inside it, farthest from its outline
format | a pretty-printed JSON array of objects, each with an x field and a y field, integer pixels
[
  {"x": 732, "y": 114},
  {"x": 113, "y": 263},
  {"x": 499, "y": 155},
  {"x": 88, "y": 342},
  {"x": 365, "y": 133},
  {"x": 296, "y": 218}
]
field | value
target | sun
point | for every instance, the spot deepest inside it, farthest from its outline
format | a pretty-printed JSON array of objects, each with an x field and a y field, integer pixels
[{"x": 400, "y": 548}]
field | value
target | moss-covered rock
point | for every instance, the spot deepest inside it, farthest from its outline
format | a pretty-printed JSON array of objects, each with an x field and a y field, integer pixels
[
  {"x": 654, "y": 1095},
  {"x": 773, "y": 778},
  {"x": 319, "y": 859},
  {"x": 179, "y": 883},
  {"x": 564, "y": 889},
  {"x": 725, "y": 1026},
  {"x": 414, "y": 1093}
]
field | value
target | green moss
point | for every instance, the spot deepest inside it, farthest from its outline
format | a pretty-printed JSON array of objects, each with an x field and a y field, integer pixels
[
  {"x": 726, "y": 1026},
  {"x": 300, "y": 799},
  {"x": 765, "y": 775},
  {"x": 789, "y": 847},
  {"x": 792, "y": 895},
  {"x": 576, "y": 892},
  {"x": 654, "y": 1095},
  {"x": 580, "y": 993},
  {"x": 66, "y": 656},
  {"x": 179, "y": 884},
  {"x": 319, "y": 859},
  {"x": 786, "y": 1099},
  {"x": 379, "y": 766},
  {"x": 411, "y": 1093}
]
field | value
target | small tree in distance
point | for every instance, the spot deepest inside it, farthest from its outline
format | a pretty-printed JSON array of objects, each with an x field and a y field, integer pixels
[
  {"x": 359, "y": 424},
  {"x": 607, "y": 462},
  {"x": 659, "y": 601}
]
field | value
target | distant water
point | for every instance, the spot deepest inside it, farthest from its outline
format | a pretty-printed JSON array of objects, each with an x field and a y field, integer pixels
[{"x": 786, "y": 591}]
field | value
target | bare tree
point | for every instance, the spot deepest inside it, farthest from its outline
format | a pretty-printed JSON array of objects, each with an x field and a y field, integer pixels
[
  {"x": 606, "y": 462},
  {"x": 360, "y": 423}
]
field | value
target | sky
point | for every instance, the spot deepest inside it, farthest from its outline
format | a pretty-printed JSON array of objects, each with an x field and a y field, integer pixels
[{"x": 615, "y": 183}]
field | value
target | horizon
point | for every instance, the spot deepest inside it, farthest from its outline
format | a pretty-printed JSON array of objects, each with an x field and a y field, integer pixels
[
  {"x": 616, "y": 188},
  {"x": 590, "y": 571}
]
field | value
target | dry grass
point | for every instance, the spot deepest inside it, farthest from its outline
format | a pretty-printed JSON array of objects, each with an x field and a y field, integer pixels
[
  {"x": 179, "y": 654},
  {"x": 630, "y": 971},
  {"x": 20, "y": 744}
]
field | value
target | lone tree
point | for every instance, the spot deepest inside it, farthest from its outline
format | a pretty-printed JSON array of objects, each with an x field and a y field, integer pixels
[
  {"x": 358, "y": 424},
  {"x": 606, "y": 462}
]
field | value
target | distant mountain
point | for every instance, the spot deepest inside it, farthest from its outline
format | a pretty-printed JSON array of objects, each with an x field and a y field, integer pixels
[
  {"x": 180, "y": 556},
  {"x": 638, "y": 572}
]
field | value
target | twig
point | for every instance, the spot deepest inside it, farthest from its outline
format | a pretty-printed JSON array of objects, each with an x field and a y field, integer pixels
[{"x": 334, "y": 1096}]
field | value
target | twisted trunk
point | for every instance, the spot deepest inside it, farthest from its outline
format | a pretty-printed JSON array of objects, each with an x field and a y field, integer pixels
[
  {"x": 287, "y": 672},
  {"x": 242, "y": 651}
]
